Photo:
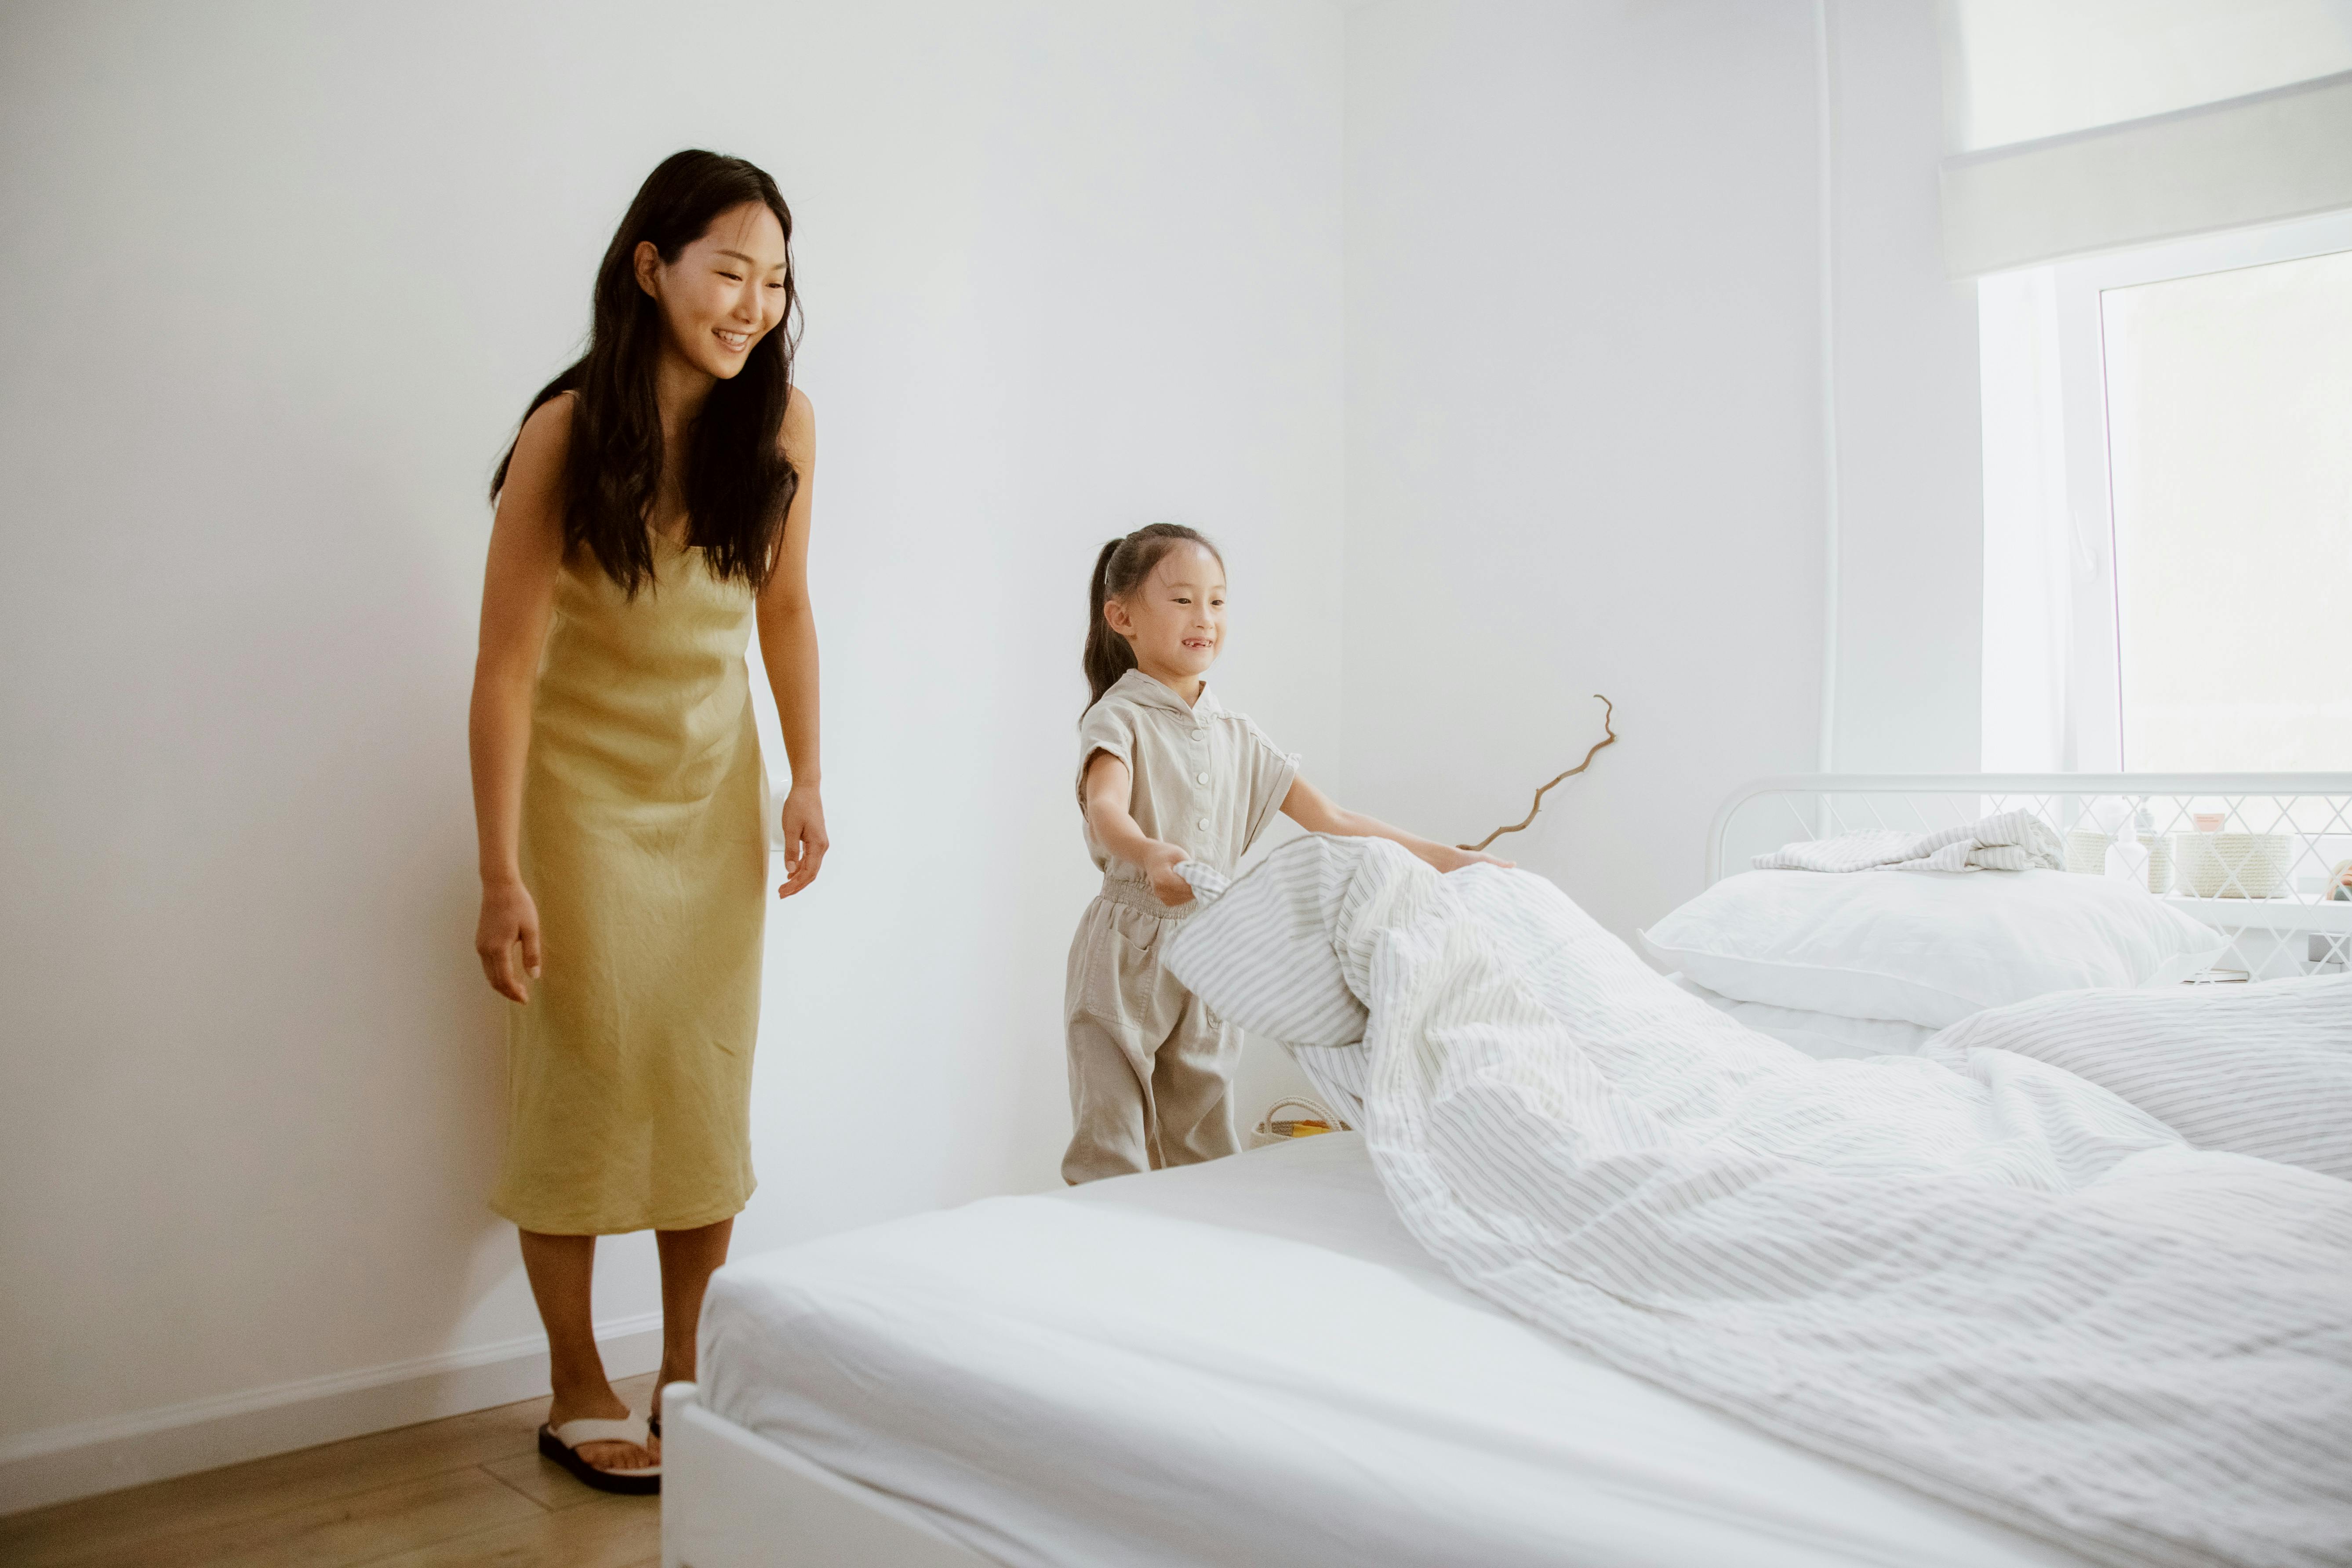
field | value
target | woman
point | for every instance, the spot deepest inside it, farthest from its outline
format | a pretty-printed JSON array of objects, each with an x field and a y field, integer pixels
[{"x": 654, "y": 505}]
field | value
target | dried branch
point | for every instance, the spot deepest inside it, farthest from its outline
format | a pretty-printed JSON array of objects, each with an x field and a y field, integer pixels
[{"x": 1609, "y": 711}]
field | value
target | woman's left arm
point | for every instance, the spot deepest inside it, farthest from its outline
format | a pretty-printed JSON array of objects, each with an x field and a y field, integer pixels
[
  {"x": 788, "y": 649},
  {"x": 1318, "y": 813}
]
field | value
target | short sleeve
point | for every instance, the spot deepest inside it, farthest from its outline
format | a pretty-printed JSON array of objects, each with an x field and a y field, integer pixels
[
  {"x": 1270, "y": 771},
  {"x": 1107, "y": 726}
]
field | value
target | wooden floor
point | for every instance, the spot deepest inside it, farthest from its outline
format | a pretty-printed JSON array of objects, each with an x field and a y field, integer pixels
[{"x": 471, "y": 1489}]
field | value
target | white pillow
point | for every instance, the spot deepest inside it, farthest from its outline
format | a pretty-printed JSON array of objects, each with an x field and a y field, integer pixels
[
  {"x": 1925, "y": 947},
  {"x": 1822, "y": 1034}
]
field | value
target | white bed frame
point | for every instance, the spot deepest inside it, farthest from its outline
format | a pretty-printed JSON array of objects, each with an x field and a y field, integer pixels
[
  {"x": 733, "y": 1499},
  {"x": 2300, "y": 931}
]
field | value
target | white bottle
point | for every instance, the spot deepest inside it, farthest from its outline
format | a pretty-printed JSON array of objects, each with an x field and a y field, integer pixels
[{"x": 2127, "y": 857}]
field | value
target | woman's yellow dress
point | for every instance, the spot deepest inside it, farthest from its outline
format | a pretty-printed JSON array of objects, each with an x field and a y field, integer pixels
[{"x": 645, "y": 847}]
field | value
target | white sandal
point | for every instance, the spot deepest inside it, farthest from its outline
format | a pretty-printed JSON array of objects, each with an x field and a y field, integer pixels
[{"x": 561, "y": 1444}]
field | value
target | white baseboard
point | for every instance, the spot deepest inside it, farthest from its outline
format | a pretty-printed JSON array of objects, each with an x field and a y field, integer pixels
[{"x": 62, "y": 1463}]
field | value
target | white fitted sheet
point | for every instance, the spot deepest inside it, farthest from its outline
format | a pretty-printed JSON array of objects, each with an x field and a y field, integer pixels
[
  {"x": 1822, "y": 1035},
  {"x": 1252, "y": 1362}
]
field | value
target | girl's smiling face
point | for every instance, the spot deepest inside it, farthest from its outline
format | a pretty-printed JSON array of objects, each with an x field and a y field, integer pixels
[
  {"x": 724, "y": 293},
  {"x": 1175, "y": 619}
]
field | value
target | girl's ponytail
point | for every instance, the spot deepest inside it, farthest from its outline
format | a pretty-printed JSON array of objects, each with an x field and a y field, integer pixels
[
  {"x": 1120, "y": 570},
  {"x": 1107, "y": 655}
]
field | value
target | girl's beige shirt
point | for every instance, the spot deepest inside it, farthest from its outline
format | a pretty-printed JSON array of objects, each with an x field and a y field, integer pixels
[{"x": 1205, "y": 780}]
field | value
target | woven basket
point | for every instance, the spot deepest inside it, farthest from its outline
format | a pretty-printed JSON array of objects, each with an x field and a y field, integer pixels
[
  {"x": 2086, "y": 852},
  {"x": 1275, "y": 1127},
  {"x": 2233, "y": 865}
]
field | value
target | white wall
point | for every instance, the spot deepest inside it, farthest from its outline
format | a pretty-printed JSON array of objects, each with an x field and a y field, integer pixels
[
  {"x": 1911, "y": 478},
  {"x": 1584, "y": 442},
  {"x": 282, "y": 276},
  {"x": 1585, "y": 402},
  {"x": 281, "y": 280}
]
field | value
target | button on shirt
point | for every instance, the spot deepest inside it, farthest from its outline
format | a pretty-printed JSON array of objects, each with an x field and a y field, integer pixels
[{"x": 1205, "y": 780}]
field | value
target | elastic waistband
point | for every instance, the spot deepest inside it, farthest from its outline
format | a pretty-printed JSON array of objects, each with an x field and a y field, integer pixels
[{"x": 1140, "y": 896}]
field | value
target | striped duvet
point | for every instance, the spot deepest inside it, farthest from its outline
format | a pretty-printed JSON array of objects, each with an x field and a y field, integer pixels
[
  {"x": 1991, "y": 1279},
  {"x": 2260, "y": 1069}
]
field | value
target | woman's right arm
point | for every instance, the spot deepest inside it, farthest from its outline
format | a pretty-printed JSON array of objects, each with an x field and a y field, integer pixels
[{"x": 517, "y": 598}]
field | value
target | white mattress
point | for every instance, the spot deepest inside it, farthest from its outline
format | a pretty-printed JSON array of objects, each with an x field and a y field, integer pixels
[{"x": 1252, "y": 1362}]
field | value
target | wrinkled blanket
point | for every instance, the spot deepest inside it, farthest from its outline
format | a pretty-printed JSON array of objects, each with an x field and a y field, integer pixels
[
  {"x": 1992, "y": 1281},
  {"x": 2262, "y": 1069},
  {"x": 2011, "y": 841}
]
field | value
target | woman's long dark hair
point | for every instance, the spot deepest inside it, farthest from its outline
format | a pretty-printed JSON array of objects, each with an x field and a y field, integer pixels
[
  {"x": 1120, "y": 570},
  {"x": 737, "y": 482}
]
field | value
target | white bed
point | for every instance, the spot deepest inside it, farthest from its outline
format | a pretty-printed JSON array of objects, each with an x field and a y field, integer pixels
[
  {"x": 1244, "y": 1362},
  {"x": 2300, "y": 931},
  {"x": 1253, "y": 1362}
]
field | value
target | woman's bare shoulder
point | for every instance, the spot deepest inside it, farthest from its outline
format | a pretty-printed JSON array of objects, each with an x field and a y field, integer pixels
[
  {"x": 798, "y": 433},
  {"x": 551, "y": 420},
  {"x": 546, "y": 434},
  {"x": 540, "y": 449}
]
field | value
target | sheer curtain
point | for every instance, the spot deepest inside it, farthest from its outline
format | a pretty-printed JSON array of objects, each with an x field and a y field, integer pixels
[{"x": 2032, "y": 558}]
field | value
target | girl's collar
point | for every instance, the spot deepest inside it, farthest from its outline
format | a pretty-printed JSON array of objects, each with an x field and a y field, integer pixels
[{"x": 1148, "y": 690}]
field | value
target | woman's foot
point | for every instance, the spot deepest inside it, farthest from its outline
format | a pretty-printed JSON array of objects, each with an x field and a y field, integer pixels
[
  {"x": 662, "y": 1379},
  {"x": 604, "y": 1455}
]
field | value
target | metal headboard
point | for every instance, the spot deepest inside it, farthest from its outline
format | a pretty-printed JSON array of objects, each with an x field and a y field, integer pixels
[{"x": 2298, "y": 930}]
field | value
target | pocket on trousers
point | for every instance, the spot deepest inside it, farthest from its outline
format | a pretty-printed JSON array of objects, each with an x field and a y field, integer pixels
[
  {"x": 1138, "y": 932},
  {"x": 1107, "y": 972}
]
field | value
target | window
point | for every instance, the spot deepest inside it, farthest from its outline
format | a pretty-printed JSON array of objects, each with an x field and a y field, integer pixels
[
  {"x": 2230, "y": 442},
  {"x": 2169, "y": 507}
]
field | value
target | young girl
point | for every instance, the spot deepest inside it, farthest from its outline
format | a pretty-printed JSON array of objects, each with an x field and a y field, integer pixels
[{"x": 1166, "y": 775}]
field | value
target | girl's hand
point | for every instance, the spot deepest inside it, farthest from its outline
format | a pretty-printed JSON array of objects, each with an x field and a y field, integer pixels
[
  {"x": 510, "y": 920},
  {"x": 804, "y": 838},
  {"x": 1447, "y": 858},
  {"x": 1161, "y": 865}
]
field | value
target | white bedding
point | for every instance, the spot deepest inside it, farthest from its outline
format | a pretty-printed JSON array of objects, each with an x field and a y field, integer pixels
[
  {"x": 1822, "y": 1034},
  {"x": 1252, "y": 1362},
  {"x": 1927, "y": 948},
  {"x": 2262, "y": 1069},
  {"x": 2011, "y": 841},
  {"x": 1992, "y": 1280}
]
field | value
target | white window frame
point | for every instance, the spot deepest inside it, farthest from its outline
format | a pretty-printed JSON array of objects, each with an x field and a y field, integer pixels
[{"x": 2053, "y": 617}]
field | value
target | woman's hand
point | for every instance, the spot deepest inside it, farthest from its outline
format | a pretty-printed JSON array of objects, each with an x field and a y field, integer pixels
[
  {"x": 1447, "y": 858},
  {"x": 804, "y": 839},
  {"x": 510, "y": 921},
  {"x": 1160, "y": 863}
]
